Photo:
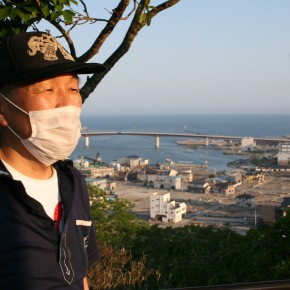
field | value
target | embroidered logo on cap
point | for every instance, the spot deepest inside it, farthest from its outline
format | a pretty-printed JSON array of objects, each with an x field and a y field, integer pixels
[{"x": 48, "y": 46}]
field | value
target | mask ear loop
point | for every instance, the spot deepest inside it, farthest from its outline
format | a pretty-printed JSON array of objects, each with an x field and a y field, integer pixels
[
  {"x": 13, "y": 104},
  {"x": 14, "y": 133},
  {"x": 18, "y": 109}
]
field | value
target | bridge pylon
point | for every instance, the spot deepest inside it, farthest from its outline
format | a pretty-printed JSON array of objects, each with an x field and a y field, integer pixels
[
  {"x": 157, "y": 141},
  {"x": 87, "y": 141}
]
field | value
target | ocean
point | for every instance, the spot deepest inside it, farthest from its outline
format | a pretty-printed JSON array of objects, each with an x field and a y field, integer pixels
[{"x": 113, "y": 147}]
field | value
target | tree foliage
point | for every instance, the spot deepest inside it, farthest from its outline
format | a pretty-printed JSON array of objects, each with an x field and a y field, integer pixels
[
  {"x": 185, "y": 256},
  {"x": 200, "y": 256},
  {"x": 119, "y": 270},
  {"x": 115, "y": 226},
  {"x": 114, "y": 221},
  {"x": 68, "y": 15}
]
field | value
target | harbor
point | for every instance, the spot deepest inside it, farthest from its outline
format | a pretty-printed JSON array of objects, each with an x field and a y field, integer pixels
[
  {"x": 241, "y": 198},
  {"x": 213, "y": 176}
]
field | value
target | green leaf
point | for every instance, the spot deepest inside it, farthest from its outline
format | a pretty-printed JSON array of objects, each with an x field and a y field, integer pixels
[
  {"x": 63, "y": 2},
  {"x": 68, "y": 15},
  {"x": 4, "y": 12},
  {"x": 31, "y": 9},
  {"x": 24, "y": 16},
  {"x": 59, "y": 7},
  {"x": 54, "y": 15},
  {"x": 45, "y": 10}
]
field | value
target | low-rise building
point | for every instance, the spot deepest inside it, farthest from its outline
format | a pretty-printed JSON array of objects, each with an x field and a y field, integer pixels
[
  {"x": 102, "y": 183},
  {"x": 132, "y": 161},
  {"x": 234, "y": 177},
  {"x": 186, "y": 175},
  {"x": 148, "y": 178},
  {"x": 94, "y": 172},
  {"x": 228, "y": 189},
  {"x": 81, "y": 162},
  {"x": 221, "y": 185},
  {"x": 269, "y": 213},
  {"x": 248, "y": 144},
  {"x": 284, "y": 153},
  {"x": 168, "y": 182},
  {"x": 161, "y": 181},
  {"x": 246, "y": 200},
  {"x": 199, "y": 186},
  {"x": 161, "y": 208}
]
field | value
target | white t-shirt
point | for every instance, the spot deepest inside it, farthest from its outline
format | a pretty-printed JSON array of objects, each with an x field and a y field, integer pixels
[{"x": 44, "y": 191}]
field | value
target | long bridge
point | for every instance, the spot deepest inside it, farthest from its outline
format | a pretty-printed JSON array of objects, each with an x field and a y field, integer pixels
[{"x": 157, "y": 136}]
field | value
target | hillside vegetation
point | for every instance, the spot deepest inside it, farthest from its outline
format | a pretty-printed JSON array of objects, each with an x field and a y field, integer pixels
[{"x": 138, "y": 256}]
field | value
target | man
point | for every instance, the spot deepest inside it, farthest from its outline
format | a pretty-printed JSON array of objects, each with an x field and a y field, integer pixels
[{"x": 46, "y": 240}]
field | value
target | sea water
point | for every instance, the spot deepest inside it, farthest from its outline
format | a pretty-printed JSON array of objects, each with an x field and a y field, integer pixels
[{"x": 116, "y": 146}]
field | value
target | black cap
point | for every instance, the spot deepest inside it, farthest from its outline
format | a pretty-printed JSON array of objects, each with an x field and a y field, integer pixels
[{"x": 32, "y": 56}]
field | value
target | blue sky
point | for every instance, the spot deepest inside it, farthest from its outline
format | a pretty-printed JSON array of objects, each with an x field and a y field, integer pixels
[{"x": 198, "y": 57}]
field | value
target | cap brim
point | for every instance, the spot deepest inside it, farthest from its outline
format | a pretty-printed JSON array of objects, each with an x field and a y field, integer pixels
[{"x": 59, "y": 69}]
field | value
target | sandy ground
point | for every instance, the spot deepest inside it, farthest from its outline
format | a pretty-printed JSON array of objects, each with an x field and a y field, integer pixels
[{"x": 212, "y": 209}]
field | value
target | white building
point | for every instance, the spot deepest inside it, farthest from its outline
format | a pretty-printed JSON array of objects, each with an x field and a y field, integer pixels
[
  {"x": 132, "y": 161},
  {"x": 161, "y": 181},
  {"x": 284, "y": 153},
  {"x": 247, "y": 144},
  {"x": 186, "y": 175},
  {"x": 81, "y": 163},
  {"x": 161, "y": 208},
  {"x": 168, "y": 182}
]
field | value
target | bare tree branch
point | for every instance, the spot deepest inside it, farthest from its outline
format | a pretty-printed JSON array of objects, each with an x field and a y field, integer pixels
[
  {"x": 85, "y": 7},
  {"x": 66, "y": 33},
  {"x": 136, "y": 25},
  {"x": 163, "y": 6},
  {"x": 66, "y": 36},
  {"x": 115, "y": 18},
  {"x": 131, "y": 12}
]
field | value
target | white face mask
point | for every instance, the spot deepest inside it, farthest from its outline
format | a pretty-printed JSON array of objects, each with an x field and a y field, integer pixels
[{"x": 55, "y": 133}]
